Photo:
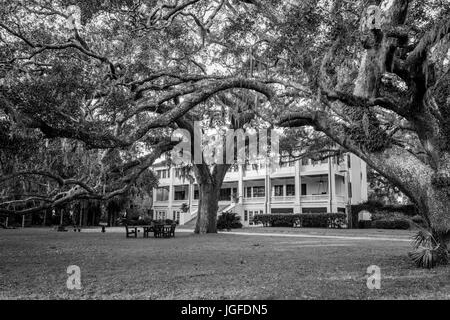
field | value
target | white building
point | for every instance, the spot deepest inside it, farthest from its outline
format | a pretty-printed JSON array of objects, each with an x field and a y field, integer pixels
[{"x": 300, "y": 186}]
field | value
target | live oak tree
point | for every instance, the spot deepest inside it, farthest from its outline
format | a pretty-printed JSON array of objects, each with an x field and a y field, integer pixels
[
  {"x": 101, "y": 73},
  {"x": 382, "y": 92},
  {"x": 210, "y": 157}
]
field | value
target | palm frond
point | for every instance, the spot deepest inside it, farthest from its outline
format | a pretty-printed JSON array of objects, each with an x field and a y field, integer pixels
[
  {"x": 427, "y": 252},
  {"x": 424, "y": 238}
]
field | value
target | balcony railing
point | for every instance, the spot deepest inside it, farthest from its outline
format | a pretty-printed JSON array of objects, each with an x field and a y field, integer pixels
[
  {"x": 314, "y": 197},
  {"x": 340, "y": 198},
  {"x": 283, "y": 199},
  {"x": 254, "y": 200}
]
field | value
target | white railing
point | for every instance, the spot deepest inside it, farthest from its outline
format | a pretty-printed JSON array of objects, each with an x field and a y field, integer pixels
[
  {"x": 285, "y": 169},
  {"x": 283, "y": 199},
  {"x": 314, "y": 197},
  {"x": 178, "y": 203},
  {"x": 314, "y": 167},
  {"x": 254, "y": 200}
]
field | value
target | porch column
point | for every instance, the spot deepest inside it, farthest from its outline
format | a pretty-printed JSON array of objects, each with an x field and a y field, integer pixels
[
  {"x": 241, "y": 185},
  {"x": 171, "y": 194},
  {"x": 268, "y": 189},
  {"x": 190, "y": 194},
  {"x": 297, "y": 187},
  {"x": 331, "y": 186},
  {"x": 154, "y": 192}
]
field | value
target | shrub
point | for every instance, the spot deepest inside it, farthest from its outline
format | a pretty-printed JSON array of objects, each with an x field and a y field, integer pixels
[
  {"x": 308, "y": 220},
  {"x": 229, "y": 220},
  {"x": 364, "y": 224},
  {"x": 391, "y": 224},
  {"x": 383, "y": 212}
]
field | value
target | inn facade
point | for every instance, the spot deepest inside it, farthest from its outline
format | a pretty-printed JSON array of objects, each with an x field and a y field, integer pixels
[{"x": 294, "y": 187}]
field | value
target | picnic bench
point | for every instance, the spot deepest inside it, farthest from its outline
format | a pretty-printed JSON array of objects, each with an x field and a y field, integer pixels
[
  {"x": 164, "y": 231},
  {"x": 159, "y": 230}
]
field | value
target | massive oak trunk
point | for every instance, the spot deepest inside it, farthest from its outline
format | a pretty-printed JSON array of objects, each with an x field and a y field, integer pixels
[
  {"x": 209, "y": 183},
  {"x": 207, "y": 208},
  {"x": 427, "y": 183},
  {"x": 417, "y": 181}
]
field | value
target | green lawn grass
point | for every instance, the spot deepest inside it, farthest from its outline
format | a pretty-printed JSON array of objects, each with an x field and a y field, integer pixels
[{"x": 33, "y": 264}]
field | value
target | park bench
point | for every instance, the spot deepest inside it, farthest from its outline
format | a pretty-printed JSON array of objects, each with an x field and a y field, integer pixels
[
  {"x": 164, "y": 231},
  {"x": 132, "y": 230}
]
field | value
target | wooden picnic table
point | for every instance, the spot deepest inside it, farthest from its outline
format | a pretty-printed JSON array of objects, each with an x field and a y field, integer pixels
[
  {"x": 159, "y": 230},
  {"x": 132, "y": 230}
]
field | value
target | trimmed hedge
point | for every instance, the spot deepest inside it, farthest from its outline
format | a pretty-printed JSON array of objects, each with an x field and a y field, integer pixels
[
  {"x": 307, "y": 220},
  {"x": 377, "y": 206},
  {"x": 402, "y": 224},
  {"x": 383, "y": 212}
]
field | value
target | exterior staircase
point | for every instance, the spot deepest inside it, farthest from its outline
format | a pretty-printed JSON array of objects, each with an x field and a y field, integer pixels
[{"x": 191, "y": 223}]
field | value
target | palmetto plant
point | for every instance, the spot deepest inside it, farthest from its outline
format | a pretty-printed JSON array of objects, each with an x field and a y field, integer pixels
[{"x": 427, "y": 251}]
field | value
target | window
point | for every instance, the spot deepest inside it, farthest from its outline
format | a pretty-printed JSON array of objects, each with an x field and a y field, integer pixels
[
  {"x": 163, "y": 174},
  {"x": 176, "y": 216},
  {"x": 314, "y": 210},
  {"x": 162, "y": 194},
  {"x": 282, "y": 211},
  {"x": 168, "y": 173},
  {"x": 349, "y": 189},
  {"x": 248, "y": 192},
  {"x": 225, "y": 194},
  {"x": 245, "y": 215},
  {"x": 160, "y": 215},
  {"x": 259, "y": 192},
  {"x": 290, "y": 190},
  {"x": 305, "y": 161},
  {"x": 349, "y": 161},
  {"x": 278, "y": 191},
  {"x": 303, "y": 189},
  {"x": 196, "y": 194},
  {"x": 181, "y": 192},
  {"x": 180, "y": 195},
  {"x": 252, "y": 214}
]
